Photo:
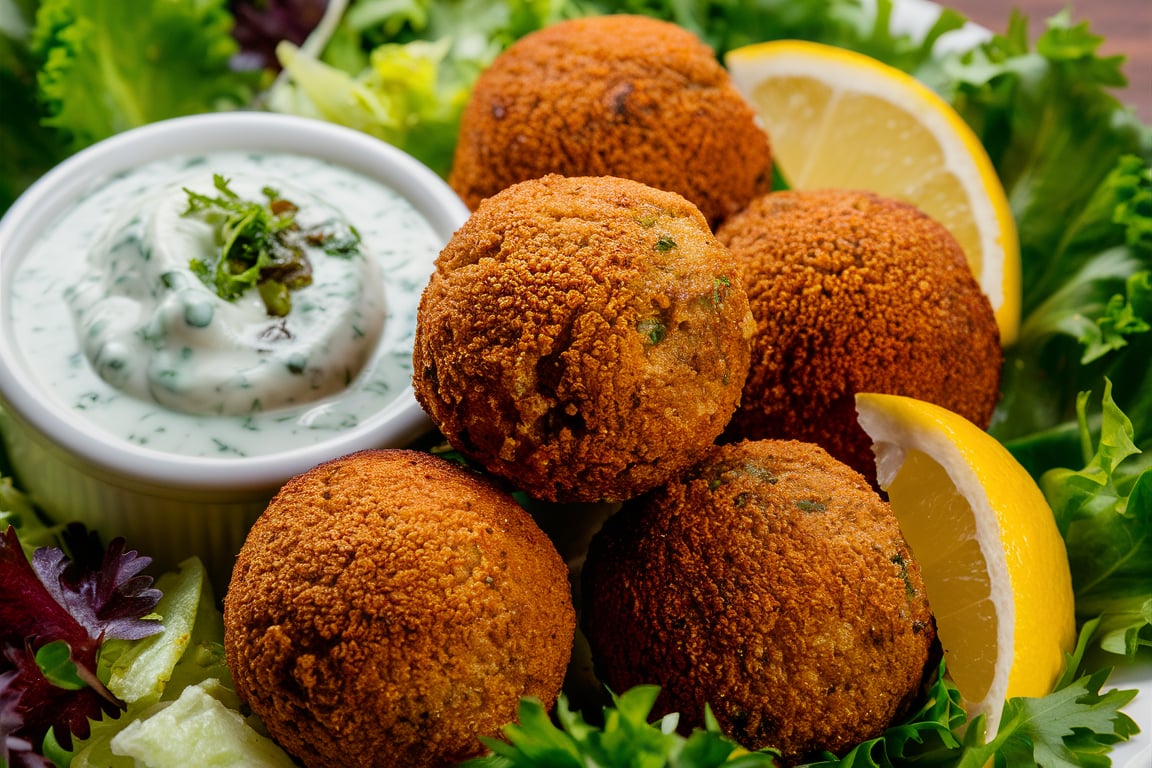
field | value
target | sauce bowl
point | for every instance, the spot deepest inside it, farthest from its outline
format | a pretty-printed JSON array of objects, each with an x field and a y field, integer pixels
[{"x": 166, "y": 504}]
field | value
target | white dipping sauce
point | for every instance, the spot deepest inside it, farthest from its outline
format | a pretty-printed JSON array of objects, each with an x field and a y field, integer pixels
[{"x": 115, "y": 325}]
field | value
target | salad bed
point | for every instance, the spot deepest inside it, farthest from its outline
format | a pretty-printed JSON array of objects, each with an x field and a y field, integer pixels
[{"x": 1076, "y": 405}]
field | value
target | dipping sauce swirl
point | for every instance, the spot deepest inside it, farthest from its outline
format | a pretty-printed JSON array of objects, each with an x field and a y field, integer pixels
[{"x": 115, "y": 312}]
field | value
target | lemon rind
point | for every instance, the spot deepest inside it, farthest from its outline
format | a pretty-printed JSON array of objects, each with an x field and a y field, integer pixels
[{"x": 1000, "y": 278}]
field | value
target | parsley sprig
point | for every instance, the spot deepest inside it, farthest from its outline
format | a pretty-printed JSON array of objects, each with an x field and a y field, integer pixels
[
  {"x": 262, "y": 245},
  {"x": 627, "y": 738},
  {"x": 1075, "y": 725}
]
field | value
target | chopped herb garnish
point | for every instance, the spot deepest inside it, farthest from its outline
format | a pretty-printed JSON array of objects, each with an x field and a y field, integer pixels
[
  {"x": 276, "y": 297},
  {"x": 223, "y": 447},
  {"x": 760, "y": 472},
  {"x": 665, "y": 243},
  {"x": 262, "y": 245},
  {"x": 335, "y": 238}
]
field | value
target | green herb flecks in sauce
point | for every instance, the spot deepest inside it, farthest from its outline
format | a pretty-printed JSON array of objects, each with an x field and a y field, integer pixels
[{"x": 146, "y": 349}]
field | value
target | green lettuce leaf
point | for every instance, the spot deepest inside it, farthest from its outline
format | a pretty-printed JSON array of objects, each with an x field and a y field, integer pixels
[
  {"x": 1075, "y": 164},
  {"x": 1104, "y": 512},
  {"x": 189, "y": 651},
  {"x": 1075, "y": 725},
  {"x": 402, "y": 70},
  {"x": 29, "y": 149},
  {"x": 110, "y": 66},
  {"x": 400, "y": 98},
  {"x": 1054, "y": 133}
]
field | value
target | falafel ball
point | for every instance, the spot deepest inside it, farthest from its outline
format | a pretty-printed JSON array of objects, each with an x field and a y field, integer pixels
[
  {"x": 771, "y": 583},
  {"x": 394, "y": 604},
  {"x": 855, "y": 292},
  {"x": 616, "y": 95},
  {"x": 583, "y": 338}
]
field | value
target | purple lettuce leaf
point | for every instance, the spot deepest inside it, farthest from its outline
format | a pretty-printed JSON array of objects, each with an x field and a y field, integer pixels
[
  {"x": 79, "y": 603},
  {"x": 261, "y": 25},
  {"x": 15, "y": 752},
  {"x": 107, "y": 602}
]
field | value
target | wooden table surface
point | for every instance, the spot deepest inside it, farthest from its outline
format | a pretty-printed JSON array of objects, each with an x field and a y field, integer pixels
[{"x": 1126, "y": 26}]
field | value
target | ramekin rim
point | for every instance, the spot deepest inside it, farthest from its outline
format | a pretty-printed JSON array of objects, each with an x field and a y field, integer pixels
[{"x": 400, "y": 419}]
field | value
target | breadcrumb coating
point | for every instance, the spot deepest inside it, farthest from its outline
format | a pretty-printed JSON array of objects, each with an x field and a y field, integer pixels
[
  {"x": 389, "y": 607},
  {"x": 615, "y": 95},
  {"x": 771, "y": 583},
  {"x": 854, "y": 292},
  {"x": 584, "y": 338}
]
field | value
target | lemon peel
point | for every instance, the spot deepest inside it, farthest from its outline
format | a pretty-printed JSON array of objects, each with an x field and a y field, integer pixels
[
  {"x": 994, "y": 564},
  {"x": 837, "y": 118}
]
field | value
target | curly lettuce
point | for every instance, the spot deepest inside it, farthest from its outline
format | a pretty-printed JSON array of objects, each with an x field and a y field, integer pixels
[
  {"x": 1074, "y": 725},
  {"x": 1075, "y": 163},
  {"x": 1104, "y": 512},
  {"x": 29, "y": 149},
  {"x": 403, "y": 71},
  {"x": 110, "y": 66}
]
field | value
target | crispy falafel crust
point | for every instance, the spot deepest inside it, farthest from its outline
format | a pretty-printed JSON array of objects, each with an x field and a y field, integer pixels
[
  {"x": 770, "y": 582},
  {"x": 584, "y": 338},
  {"x": 391, "y": 605},
  {"x": 616, "y": 95},
  {"x": 854, "y": 292}
]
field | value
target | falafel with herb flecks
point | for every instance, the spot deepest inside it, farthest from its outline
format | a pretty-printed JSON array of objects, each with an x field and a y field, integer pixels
[
  {"x": 617, "y": 95},
  {"x": 390, "y": 607},
  {"x": 771, "y": 583},
  {"x": 584, "y": 338},
  {"x": 856, "y": 292}
]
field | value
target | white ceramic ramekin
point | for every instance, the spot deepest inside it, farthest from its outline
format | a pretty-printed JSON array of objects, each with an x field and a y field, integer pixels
[{"x": 165, "y": 505}]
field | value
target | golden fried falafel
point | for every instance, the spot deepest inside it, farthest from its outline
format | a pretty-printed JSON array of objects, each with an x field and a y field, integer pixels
[
  {"x": 393, "y": 606},
  {"x": 583, "y": 338},
  {"x": 616, "y": 95},
  {"x": 771, "y": 583},
  {"x": 854, "y": 292}
]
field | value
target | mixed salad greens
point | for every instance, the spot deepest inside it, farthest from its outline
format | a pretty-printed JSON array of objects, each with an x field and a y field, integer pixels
[{"x": 85, "y": 658}]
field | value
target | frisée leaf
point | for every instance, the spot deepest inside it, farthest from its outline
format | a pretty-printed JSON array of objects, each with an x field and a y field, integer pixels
[
  {"x": 1104, "y": 512},
  {"x": 1075, "y": 163}
]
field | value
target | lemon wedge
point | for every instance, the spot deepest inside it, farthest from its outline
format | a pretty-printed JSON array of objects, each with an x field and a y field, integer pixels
[
  {"x": 994, "y": 564},
  {"x": 837, "y": 118}
]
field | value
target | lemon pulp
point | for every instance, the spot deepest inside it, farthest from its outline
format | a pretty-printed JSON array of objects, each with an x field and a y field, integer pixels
[{"x": 993, "y": 562}]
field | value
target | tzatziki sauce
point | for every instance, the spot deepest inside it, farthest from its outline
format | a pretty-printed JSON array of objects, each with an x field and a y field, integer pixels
[{"x": 114, "y": 323}]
